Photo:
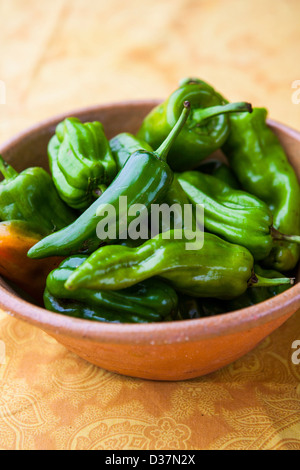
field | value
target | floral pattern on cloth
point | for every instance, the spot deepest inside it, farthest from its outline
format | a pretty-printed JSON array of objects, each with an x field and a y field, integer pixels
[{"x": 52, "y": 399}]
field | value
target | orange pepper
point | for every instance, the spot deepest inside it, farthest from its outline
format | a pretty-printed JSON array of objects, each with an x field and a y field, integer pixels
[{"x": 16, "y": 238}]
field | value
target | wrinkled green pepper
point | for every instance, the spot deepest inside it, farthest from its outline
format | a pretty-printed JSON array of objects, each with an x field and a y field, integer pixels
[
  {"x": 261, "y": 165},
  {"x": 221, "y": 171},
  {"x": 144, "y": 180},
  {"x": 205, "y": 132},
  {"x": 234, "y": 215},
  {"x": 218, "y": 269},
  {"x": 81, "y": 162},
  {"x": 191, "y": 308},
  {"x": 31, "y": 196},
  {"x": 149, "y": 301}
]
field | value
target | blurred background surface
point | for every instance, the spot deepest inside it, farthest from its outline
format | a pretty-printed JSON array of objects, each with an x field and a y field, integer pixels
[{"x": 60, "y": 55}]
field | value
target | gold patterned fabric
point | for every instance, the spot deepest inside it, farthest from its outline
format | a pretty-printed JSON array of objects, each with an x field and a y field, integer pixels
[{"x": 51, "y": 399}]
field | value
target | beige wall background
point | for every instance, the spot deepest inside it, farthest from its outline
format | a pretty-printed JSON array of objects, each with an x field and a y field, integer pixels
[{"x": 59, "y": 55}]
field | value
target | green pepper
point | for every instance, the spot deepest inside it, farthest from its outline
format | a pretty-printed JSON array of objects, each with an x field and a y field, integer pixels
[
  {"x": 234, "y": 215},
  {"x": 123, "y": 145},
  {"x": 205, "y": 132},
  {"x": 221, "y": 171},
  {"x": 31, "y": 196},
  {"x": 144, "y": 180},
  {"x": 261, "y": 165},
  {"x": 190, "y": 308},
  {"x": 218, "y": 269},
  {"x": 148, "y": 301},
  {"x": 81, "y": 162}
]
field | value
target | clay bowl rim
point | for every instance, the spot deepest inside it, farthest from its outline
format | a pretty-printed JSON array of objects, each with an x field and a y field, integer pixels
[{"x": 153, "y": 333}]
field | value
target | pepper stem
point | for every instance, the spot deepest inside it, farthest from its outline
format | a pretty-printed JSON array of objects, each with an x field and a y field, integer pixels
[
  {"x": 260, "y": 281},
  {"x": 276, "y": 235},
  {"x": 200, "y": 115},
  {"x": 165, "y": 147},
  {"x": 7, "y": 171},
  {"x": 99, "y": 191},
  {"x": 191, "y": 81}
]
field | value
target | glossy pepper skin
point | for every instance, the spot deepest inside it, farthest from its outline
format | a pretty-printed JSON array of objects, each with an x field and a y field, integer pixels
[
  {"x": 123, "y": 145},
  {"x": 190, "y": 308},
  {"x": 221, "y": 171},
  {"x": 261, "y": 165},
  {"x": 16, "y": 238},
  {"x": 81, "y": 162},
  {"x": 204, "y": 132},
  {"x": 149, "y": 301},
  {"x": 234, "y": 215},
  {"x": 144, "y": 179},
  {"x": 218, "y": 269},
  {"x": 31, "y": 196}
]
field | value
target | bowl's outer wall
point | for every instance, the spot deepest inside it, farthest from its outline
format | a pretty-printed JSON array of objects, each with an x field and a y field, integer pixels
[
  {"x": 180, "y": 356},
  {"x": 176, "y": 361}
]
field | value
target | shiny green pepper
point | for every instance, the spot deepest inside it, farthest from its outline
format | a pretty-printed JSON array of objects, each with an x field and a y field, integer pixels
[
  {"x": 149, "y": 301},
  {"x": 32, "y": 197},
  {"x": 221, "y": 171},
  {"x": 261, "y": 165},
  {"x": 123, "y": 146},
  {"x": 218, "y": 269},
  {"x": 81, "y": 162},
  {"x": 144, "y": 180},
  {"x": 234, "y": 215},
  {"x": 206, "y": 130},
  {"x": 190, "y": 308}
]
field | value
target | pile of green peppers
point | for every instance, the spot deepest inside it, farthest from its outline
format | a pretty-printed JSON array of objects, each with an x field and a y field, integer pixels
[{"x": 250, "y": 195}]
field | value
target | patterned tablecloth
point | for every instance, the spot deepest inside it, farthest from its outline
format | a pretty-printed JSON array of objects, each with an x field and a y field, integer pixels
[
  {"x": 51, "y": 399},
  {"x": 78, "y": 53}
]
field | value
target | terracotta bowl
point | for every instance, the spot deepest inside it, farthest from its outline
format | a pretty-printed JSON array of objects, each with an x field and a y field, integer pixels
[{"x": 165, "y": 351}]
